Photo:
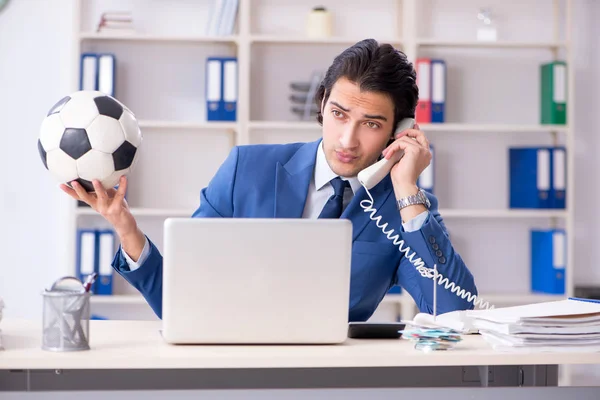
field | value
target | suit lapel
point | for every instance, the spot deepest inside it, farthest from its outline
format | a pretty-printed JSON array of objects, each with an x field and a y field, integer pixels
[
  {"x": 355, "y": 212},
  {"x": 292, "y": 181}
]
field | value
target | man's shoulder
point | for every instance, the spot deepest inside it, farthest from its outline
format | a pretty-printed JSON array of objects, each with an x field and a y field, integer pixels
[{"x": 278, "y": 152}]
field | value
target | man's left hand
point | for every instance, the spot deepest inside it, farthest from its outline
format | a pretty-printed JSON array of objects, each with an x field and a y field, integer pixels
[{"x": 417, "y": 157}]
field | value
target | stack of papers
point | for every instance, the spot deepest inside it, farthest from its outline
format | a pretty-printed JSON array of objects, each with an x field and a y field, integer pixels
[{"x": 555, "y": 326}]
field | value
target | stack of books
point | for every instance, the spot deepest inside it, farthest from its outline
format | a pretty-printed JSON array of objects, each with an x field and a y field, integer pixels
[
  {"x": 120, "y": 22},
  {"x": 555, "y": 326}
]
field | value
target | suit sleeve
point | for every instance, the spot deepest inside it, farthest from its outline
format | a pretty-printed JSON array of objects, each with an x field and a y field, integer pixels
[
  {"x": 431, "y": 245},
  {"x": 216, "y": 201}
]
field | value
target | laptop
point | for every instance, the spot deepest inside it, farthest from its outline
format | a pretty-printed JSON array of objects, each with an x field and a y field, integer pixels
[{"x": 256, "y": 281}]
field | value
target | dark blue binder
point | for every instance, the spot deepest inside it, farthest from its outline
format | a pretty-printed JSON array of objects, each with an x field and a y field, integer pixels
[
  {"x": 558, "y": 190},
  {"x": 214, "y": 89},
  {"x": 438, "y": 90},
  {"x": 86, "y": 254},
  {"x": 548, "y": 261},
  {"x": 105, "y": 252},
  {"x": 530, "y": 177},
  {"x": 230, "y": 88}
]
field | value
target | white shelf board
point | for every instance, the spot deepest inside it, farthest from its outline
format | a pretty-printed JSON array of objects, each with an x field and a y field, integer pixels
[
  {"x": 309, "y": 40},
  {"x": 502, "y": 128},
  {"x": 143, "y": 212},
  {"x": 296, "y": 125},
  {"x": 118, "y": 299},
  {"x": 500, "y": 213},
  {"x": 187, "y": 125},
  {"x": 138, "y": 37},
  {"x": 499, "y": 44}
]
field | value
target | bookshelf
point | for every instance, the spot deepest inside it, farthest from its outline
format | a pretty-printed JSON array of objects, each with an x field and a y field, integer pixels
[{"x": 160, "y": 77}]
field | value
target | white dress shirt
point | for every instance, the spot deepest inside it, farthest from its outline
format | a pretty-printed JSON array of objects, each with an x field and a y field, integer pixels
[{"x": 319, "y": 191}]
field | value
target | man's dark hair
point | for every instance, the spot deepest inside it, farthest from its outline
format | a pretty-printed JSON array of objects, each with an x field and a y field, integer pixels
[{"x": 374, "y": 68}]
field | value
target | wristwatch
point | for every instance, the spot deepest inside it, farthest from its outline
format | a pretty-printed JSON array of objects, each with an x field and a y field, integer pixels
[{"x": 419, "y": 198}]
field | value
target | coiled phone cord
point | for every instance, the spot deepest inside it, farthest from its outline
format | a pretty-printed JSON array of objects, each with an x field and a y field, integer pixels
[{"x": 367, "y": 205}]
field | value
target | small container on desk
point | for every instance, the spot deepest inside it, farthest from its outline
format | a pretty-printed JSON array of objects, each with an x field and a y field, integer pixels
[{"x": 66, "y": 315}]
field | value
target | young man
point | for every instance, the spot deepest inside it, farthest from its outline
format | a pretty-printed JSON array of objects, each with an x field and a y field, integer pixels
[{"x": 366, "y": 92}]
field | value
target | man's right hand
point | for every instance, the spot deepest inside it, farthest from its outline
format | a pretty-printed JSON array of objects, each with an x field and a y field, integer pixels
[{"x": 111, "y": 204}]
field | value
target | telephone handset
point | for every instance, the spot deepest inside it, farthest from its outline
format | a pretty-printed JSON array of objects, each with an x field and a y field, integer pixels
[{"x": 372, "y": 175}]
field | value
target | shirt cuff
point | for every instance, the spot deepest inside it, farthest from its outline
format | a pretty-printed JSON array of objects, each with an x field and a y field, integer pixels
[
  {"x": 135, "y": 265},
  {"x": 416, "y": 223}
]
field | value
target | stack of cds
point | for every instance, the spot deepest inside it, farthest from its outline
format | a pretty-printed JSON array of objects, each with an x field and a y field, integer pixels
[{"x": 430, "y": 339}]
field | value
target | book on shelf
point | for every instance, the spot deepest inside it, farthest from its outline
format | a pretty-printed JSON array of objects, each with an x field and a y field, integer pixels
[
  {"x": 222, "y": 18},
  {"x": 120, "y": 22}
]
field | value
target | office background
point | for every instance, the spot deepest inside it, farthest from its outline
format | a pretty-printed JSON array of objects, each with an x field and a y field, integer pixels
[{"x": 40, "y": 58}]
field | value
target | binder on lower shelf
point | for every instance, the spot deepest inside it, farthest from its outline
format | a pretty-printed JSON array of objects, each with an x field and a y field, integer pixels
[
  {"x": 106, "y": 251},
  {"x": 95, "y": 252},
  {"x": 548, "y": 261},
  {"x": 86, "y": 260},
  {"x": 395, "y": 290}
]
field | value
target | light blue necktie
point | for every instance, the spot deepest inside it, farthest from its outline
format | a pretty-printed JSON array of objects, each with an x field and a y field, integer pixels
[{"x": 334, "y": 206}]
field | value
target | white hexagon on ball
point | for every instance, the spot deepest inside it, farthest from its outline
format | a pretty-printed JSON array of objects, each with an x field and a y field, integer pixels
[
  {"x": 51, "y": 132},
  {"x": 80, "y": 110},
  {"x": 131, "y": 128},
  {"x": 113, "y": 179},
  {"x": 61, "y": 166},
  {"x": 95, "y": 165},
  {"x": 105, "y": 134}
]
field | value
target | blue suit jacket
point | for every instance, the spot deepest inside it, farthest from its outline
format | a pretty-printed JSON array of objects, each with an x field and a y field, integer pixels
[{"x": 271, "y": 181}]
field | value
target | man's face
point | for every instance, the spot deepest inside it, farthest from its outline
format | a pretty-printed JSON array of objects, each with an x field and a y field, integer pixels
[{"x": 356, "y": 127}]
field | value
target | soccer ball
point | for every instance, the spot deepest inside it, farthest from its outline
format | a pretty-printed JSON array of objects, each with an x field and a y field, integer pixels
[{"x": 89, "y": 135}]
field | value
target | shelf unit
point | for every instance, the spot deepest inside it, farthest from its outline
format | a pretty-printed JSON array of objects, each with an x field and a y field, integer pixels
[{"x": 251, "y": 41}]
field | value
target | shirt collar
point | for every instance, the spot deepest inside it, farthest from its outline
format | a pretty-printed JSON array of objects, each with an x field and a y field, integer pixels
[{"x": 323, "y": 172}]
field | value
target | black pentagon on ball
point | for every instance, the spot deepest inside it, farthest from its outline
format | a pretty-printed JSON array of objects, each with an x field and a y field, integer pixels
[
  {"x": 42, "y": 153},
  {"x": 123, "y": 156},
  {"x": 75, "y": 142},
  {"x": 109, "y": 107},
  {"x": 87, "y": 185},
  {"x": 59, "y": 106}
]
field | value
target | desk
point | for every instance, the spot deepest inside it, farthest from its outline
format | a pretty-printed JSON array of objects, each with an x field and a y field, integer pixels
[{"x": 132, "y": 355}]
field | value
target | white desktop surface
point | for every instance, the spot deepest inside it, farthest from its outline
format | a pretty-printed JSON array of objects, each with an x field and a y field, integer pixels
[{"x": 138, "y": 345}]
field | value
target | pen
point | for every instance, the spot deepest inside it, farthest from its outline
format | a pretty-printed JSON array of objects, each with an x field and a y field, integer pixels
[{"x": 89, "y": 281}]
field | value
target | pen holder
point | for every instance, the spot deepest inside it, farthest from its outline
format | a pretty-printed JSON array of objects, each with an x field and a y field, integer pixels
[{"x": 66, "y": 320}]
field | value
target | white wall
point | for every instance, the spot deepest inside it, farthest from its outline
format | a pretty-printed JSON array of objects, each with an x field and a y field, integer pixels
[{"x": 35, "y": 71}]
